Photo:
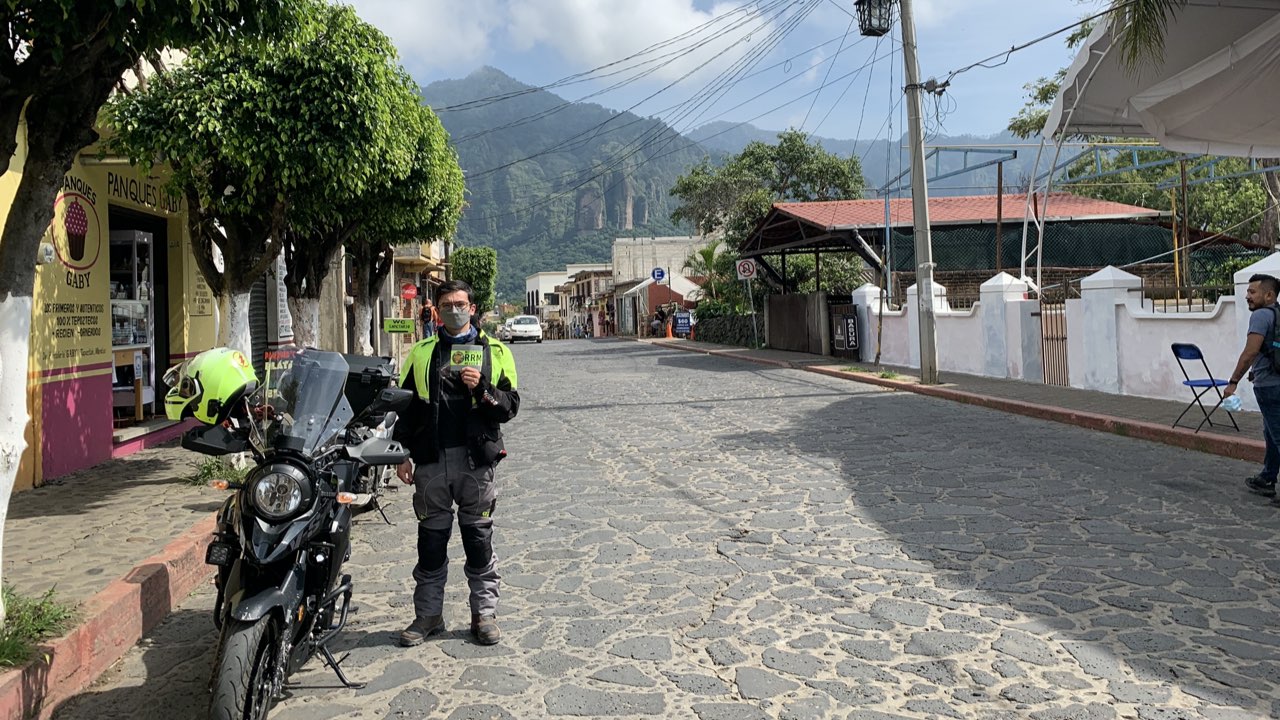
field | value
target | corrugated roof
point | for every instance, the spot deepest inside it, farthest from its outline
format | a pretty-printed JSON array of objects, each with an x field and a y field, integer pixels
[{"x": 963, "y": 210}]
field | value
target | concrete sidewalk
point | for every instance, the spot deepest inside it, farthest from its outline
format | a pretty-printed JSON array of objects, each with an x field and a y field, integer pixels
[
  {"x": 1120, "y": 414},
  {"x": 124, "y": 542}
]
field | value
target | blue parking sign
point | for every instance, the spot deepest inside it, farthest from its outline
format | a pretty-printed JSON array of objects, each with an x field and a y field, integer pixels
[{"x": 658, "y": 274}]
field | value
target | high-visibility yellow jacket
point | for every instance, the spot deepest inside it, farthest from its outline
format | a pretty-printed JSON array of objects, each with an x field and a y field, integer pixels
[{"x": 494, "y": 401}]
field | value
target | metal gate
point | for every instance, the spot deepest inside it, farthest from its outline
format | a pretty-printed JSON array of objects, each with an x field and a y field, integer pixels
[{"x": 1053, "y": 334}]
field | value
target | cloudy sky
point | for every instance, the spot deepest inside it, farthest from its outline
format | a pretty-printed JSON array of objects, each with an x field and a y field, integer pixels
[{"x": 541, "y": 41}]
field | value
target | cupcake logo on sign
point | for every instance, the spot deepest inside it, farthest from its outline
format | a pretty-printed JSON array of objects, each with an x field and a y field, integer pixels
[{"x": 77, "y": 234}]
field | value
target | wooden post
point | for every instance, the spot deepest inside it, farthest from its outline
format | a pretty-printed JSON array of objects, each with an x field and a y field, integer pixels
[{"x": 137, "y": 399}]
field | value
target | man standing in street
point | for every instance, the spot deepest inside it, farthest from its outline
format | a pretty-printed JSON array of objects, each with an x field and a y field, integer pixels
[
  {"x": 1256, "y": 360},
  {"x": 465, "y": 383}
]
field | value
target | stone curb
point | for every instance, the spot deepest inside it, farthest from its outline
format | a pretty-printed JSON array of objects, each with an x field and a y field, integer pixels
[
  {"x": 1235, "y": 448},
  {"x": 110, "y": 623}
]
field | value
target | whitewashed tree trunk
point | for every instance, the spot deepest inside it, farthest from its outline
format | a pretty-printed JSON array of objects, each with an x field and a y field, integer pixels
[
  {"x": 363, "y": 318},
  {"x": 15, "y": 338},
  {"x": 233, "y": 328},
  {"x": 306, "y": 321}
]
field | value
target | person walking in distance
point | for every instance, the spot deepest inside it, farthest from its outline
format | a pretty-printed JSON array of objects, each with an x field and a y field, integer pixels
[
  {"x": 1258, "y": 360},
  {"x": 465, "y": 387}
]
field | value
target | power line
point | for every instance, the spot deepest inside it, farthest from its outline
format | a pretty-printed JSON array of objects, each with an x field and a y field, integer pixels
[
  {"x": 670, "y": 58},
  {"x": 1004, "y": 56},
  {"x": 813, "y": 104},
  {"x": 582, "y": 76},
  {"x": 562, "y": 143},
  {"x": 559, "y": 195}
]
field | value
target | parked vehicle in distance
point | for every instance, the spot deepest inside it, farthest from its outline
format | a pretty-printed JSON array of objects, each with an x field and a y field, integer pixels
[
  {"x": 525, "y": 327},
  {"x": 504, "y": 332}
]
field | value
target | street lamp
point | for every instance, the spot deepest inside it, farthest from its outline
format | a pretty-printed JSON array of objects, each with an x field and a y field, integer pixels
[{"x": 875, "y": 17}]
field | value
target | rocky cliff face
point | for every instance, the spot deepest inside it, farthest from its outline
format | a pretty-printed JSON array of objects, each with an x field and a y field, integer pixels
[{"x": 593, "y": 174}]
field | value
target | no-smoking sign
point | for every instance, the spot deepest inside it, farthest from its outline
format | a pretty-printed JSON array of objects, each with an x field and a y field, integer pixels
[{"x": 746, "y": 269}]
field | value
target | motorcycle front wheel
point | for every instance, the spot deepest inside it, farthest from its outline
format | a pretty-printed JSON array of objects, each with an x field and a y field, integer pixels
[{"x": 248, "y": 659}]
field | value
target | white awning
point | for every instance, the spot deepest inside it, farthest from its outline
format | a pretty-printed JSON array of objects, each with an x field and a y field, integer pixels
[
  {"x": 636, "y": 290},
  {"x": 1214, "y": 92}
]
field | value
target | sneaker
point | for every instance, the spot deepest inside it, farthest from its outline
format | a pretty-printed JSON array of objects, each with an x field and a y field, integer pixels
[
  {"x": 484, "y": 628},
  {"x": 421, "y": 629},
  {"x": 1261, "y": 486}
]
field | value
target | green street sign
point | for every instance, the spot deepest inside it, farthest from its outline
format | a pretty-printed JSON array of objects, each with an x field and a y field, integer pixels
[{"x": 397, "y": 325}]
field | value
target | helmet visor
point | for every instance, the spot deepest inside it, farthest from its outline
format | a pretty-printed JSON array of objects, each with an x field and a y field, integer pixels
[
  {"x": 175, "y": 373},
  {"x": 188, "y": 387}
]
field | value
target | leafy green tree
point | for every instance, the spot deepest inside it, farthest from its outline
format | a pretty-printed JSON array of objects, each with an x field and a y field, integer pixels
[
  {"x": 257, "y": 134},
  {"x": 715, "y": 264},
  {"x": 424, "y": 205},
  {"x": 478, "y": 267},
  {"x": 734, "y": 196},
  {"x": 65, "y": 57}
]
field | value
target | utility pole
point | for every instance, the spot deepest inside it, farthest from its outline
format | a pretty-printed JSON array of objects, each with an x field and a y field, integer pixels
[{"x": 920, "y": 201}]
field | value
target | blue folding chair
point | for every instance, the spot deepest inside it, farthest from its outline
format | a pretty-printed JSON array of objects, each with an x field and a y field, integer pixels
[{"x": 1186, "y": 352}]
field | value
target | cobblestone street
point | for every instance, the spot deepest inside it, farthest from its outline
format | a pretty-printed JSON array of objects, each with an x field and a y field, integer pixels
[{"x": 686, "y": 536}]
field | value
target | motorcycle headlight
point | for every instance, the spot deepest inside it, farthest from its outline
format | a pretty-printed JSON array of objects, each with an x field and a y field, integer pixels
[{"x": 278, "y": 494}]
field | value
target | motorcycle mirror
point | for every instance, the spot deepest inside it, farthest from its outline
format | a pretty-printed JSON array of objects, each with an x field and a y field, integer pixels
[{"x": 390, "y": 399}]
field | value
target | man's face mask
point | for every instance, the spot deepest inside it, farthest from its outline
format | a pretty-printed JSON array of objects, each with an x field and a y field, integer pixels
[{"x": 455, "y": 318}]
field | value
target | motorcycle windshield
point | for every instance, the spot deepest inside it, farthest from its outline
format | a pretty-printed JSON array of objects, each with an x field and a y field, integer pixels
[{"x": 302, "y": 407}]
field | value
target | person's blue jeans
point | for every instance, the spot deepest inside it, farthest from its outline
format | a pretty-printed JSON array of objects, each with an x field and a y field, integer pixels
[{"x": 1269, "y": 405}]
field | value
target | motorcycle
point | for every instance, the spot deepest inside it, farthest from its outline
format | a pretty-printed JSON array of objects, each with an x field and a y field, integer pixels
[{"x": 283, "y": 536}]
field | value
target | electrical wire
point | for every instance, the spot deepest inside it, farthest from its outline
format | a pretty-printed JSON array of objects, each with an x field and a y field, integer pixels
[
  {"x": 557, "y": 196},
  {"x": 587, "y": 75},
  {"x": 1004, "y": 56},
  {"x": 561, "y": 144},
  {"x": 745, "y": 63},
  {"x": 813, "y": 104},
  {"x": 836, "y": 104},
  {"x": 669, "y": 58}
]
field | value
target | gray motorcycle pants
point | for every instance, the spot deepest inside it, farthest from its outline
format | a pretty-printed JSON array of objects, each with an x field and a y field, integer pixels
[{"x": 438, "y": 487}]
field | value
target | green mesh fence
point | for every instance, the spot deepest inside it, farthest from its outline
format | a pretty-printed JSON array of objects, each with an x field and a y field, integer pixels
[{"x": 1091, "y": 244}]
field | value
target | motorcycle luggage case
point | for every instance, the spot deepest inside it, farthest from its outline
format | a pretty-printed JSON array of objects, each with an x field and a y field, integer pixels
[{"x": 367, "y": 377}]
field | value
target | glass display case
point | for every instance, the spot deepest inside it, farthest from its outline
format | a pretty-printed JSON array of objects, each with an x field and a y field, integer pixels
[{"x": 132, "y": 332}]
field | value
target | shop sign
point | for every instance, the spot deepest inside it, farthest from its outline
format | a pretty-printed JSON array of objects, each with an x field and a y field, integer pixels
[
  {"x": 408, "y": 291},
  {"x": 397, "y": 325}
]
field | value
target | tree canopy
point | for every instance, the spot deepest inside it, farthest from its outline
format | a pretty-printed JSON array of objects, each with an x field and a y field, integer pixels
[
  {"x": 478, "y": 267},
  {"x": 734, "y": 196},
  {"x": 261, "y": 136}
]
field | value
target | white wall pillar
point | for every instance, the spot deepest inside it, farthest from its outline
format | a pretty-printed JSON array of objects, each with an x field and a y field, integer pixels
[
  {"x": 1102, "y": 293},
  {"x": 867, "y": 300},
  {"x": 913, "y": 316},
  {"x": 1002, "y": 349},
  {"x": 1269, "y": 265}
]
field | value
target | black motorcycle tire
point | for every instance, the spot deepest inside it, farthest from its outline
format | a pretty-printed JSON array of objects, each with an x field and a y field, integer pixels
[{"x": 247, "y": 657}]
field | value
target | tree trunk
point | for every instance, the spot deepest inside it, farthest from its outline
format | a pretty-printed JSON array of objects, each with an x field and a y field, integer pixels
[
  {"x": 306, "y": 321},
  {"x": 50, "y": 153},
  {"x": 363, "y": 318},
  {"x": 15, "y": 334},
  {"x": 233, "y": 322}
]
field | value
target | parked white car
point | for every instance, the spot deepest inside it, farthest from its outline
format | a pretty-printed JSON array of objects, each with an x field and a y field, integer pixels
[{"x": 525, "y": 327}]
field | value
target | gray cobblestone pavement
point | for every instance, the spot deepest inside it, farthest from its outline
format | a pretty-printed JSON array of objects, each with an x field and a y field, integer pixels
[
  {"x": 79, "y": 533},
  {"x": 686, "y": 536}
]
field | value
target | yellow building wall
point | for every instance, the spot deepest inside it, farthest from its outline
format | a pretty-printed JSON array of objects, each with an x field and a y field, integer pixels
[{"x": 71, "y": 358}]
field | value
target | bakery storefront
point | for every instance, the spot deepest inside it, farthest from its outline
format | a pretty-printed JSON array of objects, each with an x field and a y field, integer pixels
[{"x": 117, "y": 302}]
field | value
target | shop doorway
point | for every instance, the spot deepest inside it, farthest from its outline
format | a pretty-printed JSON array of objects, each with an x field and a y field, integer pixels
[{"x": 139, "y": 292}]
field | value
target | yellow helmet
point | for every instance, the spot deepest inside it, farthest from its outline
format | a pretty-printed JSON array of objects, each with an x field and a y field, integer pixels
[{"x": 208, "y": 386}]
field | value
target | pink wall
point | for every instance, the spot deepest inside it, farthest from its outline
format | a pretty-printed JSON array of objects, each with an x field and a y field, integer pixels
[{"x": 75, "y": 424}]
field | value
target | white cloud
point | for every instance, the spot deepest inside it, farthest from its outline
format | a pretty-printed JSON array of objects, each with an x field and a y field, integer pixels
[
  {"x": 590, "y": 33},
  {"x": 434, "y": 33},
  {"x": 815, "y": 64}
]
